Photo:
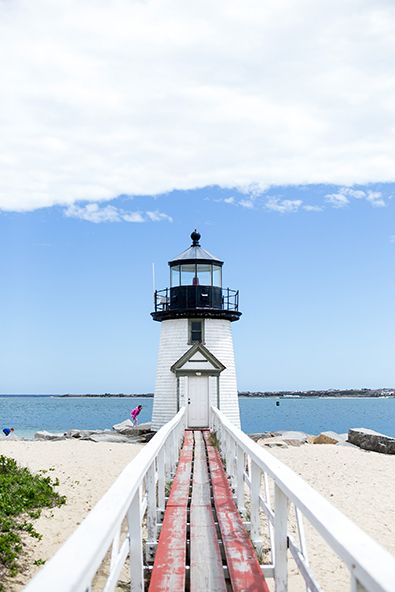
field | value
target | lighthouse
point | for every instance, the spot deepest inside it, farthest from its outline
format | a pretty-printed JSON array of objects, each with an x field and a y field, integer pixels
[{"x": 196, "y": 363}]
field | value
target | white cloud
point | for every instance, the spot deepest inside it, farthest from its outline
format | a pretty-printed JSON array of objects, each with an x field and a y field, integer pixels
[
  {"x": 128, "y": 97},
  {"x": 343, "y": 196},
  {"x": 309, "y": 208},
  {"x": 337, "y": 200},
  {"x": 376, "y": 199},
  {"x": 93, "y": 212},
  {"x": 229, "y": 200},
  {"x": 158, "y": 216},
  {"x": 247, "y": 203},
  {"x": 284, "y": 206}
]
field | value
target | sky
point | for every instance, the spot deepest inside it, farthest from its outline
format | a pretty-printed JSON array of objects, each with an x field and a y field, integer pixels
[{"x": 268, "y": 126}]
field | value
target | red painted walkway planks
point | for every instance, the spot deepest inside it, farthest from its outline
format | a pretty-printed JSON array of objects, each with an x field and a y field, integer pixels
[
  {"x": 168, "y": 574},
  {"x": 207, "y": 573},
  {"x": 244, "y": 570}
]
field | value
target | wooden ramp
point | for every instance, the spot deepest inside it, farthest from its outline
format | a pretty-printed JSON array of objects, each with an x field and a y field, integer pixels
[{"x": 191, "y": 559}]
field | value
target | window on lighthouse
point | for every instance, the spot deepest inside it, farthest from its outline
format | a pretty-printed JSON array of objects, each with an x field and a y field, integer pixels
[
  {"x": 188, "y": 273},
  {"x": 203, "y": 274},
  {"x": 196, "y": 328}
]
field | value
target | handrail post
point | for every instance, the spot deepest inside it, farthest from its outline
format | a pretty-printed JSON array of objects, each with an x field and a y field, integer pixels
[
  {"x": 269, "y": 505},
  {"x": 136, "y": 565},
  {"x": 233, "y": 464},
  {"x": 174, "y": 452},
  {"x": 115, "y": 548},
  {"x": 151, "y": 512},
  {"x": 255, "y": 490},
  {"x": 280, "y": 540},
  {"x": 161, "y": 480},
  {"x": 167, "y": 460},
  {"x": 240, "y": 480},
  {"x": 356, "y": 586}
]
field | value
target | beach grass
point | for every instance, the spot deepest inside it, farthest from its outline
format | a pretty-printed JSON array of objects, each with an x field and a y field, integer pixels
[{"x": 22, "y": 496}]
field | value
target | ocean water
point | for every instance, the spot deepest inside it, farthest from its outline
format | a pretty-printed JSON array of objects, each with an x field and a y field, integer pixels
[
  {"x": 312, "y": 415},
  {"x": 316, "y": 414}
]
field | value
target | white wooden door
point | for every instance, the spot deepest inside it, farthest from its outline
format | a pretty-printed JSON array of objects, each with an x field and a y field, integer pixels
[{"x": 198, "y": 402}]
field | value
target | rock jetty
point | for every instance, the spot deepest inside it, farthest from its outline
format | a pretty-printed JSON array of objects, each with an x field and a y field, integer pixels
[
  {"x": 121, "y": 432},
  {"x": 356, "y": 437}
]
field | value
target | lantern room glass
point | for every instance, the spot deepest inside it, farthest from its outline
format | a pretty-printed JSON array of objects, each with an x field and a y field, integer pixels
[
  {"x": 203, "y": 274},
  {"x": 196, "y": 274},
  {"x": 175, "y": 276},
  {"x": 217, "y": 276},
  {"x": 188, "y": 273}
]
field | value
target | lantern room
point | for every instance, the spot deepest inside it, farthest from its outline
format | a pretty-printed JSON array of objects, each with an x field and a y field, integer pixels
[{"x": 196, "y": 287}]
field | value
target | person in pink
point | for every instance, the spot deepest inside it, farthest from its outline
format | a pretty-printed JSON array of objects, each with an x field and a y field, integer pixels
[{"x": 135, "y": 413}]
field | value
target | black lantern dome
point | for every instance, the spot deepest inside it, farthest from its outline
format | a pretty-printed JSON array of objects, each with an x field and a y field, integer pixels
[{"x": 196, "y": 287}]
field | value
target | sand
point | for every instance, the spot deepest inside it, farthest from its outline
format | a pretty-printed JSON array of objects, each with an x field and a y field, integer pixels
[
  {"x": 85, "y": 471},
  {"x": 359, "y": 483}
]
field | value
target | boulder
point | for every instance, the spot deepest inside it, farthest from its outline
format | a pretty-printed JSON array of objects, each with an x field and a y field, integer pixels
[
  {"x": 112, "y": 437},
  {"x": 283, "y": 439},
  {"x": 128, "y": 429},
  {"x": 84, "y": 434},
  {"x": 261, "y": 435},
  {"x": 329, "y": 438},
  {"x": 294, "y": 438},
  {"x": 49, "y": 436},
  {"x": 371, "y": 440},
  {"x": 272, "y": 443}
]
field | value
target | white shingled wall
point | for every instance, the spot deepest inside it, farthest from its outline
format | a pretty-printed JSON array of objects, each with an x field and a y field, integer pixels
[
  {"x": 173, "y": 344},
  {"x": 219, "y": 340}
]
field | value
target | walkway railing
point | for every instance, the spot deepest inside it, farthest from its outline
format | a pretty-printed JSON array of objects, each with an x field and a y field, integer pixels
[
  {"x": 112, "y": 531},
  {"x": 252, "y": 472}
]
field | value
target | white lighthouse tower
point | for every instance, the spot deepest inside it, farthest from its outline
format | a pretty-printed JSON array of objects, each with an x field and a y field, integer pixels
[{"x": 196, "y": 365}]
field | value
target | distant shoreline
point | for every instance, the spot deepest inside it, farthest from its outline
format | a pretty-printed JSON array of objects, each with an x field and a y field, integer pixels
[
  {"x": 331, "y": 393},
  {"x": 385, "y": 393}
]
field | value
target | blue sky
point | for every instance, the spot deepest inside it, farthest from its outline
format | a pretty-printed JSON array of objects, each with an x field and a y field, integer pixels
[
  {"x": 316, "y": 288},
  {"x": 269, "y": 126}
]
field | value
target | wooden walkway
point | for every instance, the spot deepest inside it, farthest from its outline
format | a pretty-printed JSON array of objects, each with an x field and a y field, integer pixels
[{"x": 202, "y": 532}]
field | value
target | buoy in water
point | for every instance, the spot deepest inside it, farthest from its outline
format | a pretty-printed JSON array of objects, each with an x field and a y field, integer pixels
[{"x": 277, "y": 403}]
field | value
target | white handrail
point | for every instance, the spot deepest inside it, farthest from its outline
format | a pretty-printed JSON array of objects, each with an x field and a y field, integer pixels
[
  {"x": 74, "y": 566},
  {"x": 372, "y": 568}
]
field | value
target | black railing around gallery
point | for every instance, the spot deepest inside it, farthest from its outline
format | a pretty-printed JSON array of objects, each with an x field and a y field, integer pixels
[{"x": 195, "y": 297}]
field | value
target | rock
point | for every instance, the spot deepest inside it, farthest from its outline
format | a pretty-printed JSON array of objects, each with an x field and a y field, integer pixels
[
  {"x": 84, "y": 434},
  {"x": 127, "y": 433},
  {"x": 109, "y": 437},
  {"x": 371, "y": 440},
  {"x": 272, "y": 443},
  {"x": 329, "y": 438},
  {"x": 128, "y": 429},
  {"x": 261, "y": 435},
  {"x": 292, "y": 442},
  {"x": 278, "y": 438},
  {"x": 283, "y": 439},
  {"x": 49, "y": 436},
  {"x": 294, "y": 438}
]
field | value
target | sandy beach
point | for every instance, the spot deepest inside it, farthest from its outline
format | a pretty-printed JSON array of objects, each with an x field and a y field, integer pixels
[{"x": 359, "y": 483}]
